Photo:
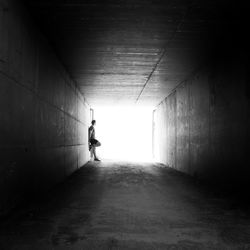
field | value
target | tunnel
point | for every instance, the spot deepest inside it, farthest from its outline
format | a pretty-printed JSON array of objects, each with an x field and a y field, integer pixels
[{"x": 167, "y": 82}]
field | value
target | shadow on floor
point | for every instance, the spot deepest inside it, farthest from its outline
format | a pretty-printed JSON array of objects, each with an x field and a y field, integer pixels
[
  {"x": 126, "y": 205},
  {"x": 81, "y": 191}
]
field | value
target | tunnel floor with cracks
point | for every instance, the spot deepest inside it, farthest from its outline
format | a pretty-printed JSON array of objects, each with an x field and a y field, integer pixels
[{"x": 125, "y": 205}]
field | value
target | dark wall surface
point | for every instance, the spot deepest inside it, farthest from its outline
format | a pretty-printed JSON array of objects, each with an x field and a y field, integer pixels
[
  {"x": 202, "y": 128},
  {"x": 43, "y": 117}
]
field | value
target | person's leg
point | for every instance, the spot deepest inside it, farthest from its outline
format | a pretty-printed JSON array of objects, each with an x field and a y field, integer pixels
[
  {"x": 94, "y": 152},
  {"x": 91, "y": 151}
]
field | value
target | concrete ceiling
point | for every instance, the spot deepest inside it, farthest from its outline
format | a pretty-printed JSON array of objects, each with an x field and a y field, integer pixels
[{"x": 127, "y": 51}]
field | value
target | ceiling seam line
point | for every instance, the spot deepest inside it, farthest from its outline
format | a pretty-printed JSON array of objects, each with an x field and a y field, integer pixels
[
  {"x": 151, "y": 73},
  {"x": 162, "y": 55}
]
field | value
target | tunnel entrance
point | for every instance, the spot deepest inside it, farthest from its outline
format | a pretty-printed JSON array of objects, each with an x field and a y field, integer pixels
[{"x": 125, "y": 133}]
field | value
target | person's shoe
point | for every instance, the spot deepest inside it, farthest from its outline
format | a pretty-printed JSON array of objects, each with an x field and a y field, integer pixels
[{"x": 96, "y": 159}]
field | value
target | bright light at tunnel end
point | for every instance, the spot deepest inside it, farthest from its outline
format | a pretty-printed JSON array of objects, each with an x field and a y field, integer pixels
[{"x": 125, "y": 133}]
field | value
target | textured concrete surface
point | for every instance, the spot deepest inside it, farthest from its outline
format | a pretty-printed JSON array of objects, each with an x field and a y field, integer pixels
[
  {"x": 202, "y": 127},
  {"x": 122, "y": 51},
  {"x": 124, "y": 205},
  {"x": 43, "y": 116}
]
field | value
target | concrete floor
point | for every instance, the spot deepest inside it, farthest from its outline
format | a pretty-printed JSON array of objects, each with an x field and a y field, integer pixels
[{"x": 119, "y": 205}]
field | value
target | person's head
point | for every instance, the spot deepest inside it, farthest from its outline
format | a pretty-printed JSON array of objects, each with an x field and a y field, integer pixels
[{"x": 93, "y": 122}]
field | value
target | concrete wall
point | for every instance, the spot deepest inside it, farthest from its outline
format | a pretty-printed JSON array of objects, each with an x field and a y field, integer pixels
[
  {"x": 43, "y": 117},
  {"x": 202, "y": 128}
]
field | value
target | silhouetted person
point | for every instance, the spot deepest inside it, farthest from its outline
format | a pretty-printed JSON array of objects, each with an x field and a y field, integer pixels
[{"x": 93, "y": 143}]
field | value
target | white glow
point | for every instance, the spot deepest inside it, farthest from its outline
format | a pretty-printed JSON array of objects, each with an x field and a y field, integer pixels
[{"x": 125, "y": 133}]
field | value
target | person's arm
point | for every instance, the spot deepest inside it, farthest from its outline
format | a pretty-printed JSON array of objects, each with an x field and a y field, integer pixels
[{"x": 90, "y": 132}]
